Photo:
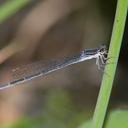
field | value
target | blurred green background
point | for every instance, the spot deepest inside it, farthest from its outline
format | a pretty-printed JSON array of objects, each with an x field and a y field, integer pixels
[{"x": 45, "y": 29}]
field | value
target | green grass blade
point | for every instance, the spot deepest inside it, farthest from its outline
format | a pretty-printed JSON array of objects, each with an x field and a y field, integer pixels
[
  {"x": 114, "y": 49},
  {"x": 11, "y": 7}
]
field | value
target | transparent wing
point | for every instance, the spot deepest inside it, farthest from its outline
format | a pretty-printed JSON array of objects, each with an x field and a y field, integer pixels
[
  {"x": 34, "y": 68},
  {"x": 30, "y": 71}
]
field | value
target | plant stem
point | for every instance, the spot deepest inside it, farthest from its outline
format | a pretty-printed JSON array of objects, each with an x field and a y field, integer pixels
[{"x": 114, "y": 49}]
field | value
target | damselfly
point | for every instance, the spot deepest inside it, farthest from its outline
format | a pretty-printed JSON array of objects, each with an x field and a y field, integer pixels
[{"x": 37, "y": 69}]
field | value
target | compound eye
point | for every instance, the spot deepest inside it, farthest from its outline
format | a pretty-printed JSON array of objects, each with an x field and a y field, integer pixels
[
  {"x": 105, "y": 55},
  {"x": 102, "y": 48}
]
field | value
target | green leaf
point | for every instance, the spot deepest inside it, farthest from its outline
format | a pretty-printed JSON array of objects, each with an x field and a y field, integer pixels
[{"x": 117, "y": 119}]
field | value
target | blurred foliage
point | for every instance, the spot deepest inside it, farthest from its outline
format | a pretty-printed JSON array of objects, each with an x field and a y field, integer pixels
[
  {"x": 58, "y": 112},
  {"x": 11, "y": 7},
  {"x": 115, "y": 119}
]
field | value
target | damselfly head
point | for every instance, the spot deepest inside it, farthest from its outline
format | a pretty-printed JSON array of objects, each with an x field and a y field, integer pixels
[
  {"x": 103, "y": 51},
  {"x": 102, "y": 56}
]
